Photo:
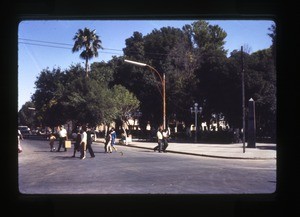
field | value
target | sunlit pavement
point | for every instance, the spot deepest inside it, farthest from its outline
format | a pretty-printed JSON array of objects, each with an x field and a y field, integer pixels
[{"x": 233, "y": 150}]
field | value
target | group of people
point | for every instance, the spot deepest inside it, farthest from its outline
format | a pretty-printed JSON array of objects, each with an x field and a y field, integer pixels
[
  {"x": 83, "y": 141},
  {"x": 162, "y": 139}
]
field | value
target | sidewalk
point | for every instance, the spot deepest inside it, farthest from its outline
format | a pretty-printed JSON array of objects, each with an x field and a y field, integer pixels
[{"x": 262, "y": 151}]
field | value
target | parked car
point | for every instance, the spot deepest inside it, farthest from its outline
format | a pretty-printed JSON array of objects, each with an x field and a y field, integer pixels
[{"x": 25, "y": 130}]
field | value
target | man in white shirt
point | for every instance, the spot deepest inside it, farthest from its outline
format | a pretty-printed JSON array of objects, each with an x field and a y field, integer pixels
[
  {"x": 159, "y": 140},
  {"x": 62, "y": 132},
  {"x": 83, "y": 143}
]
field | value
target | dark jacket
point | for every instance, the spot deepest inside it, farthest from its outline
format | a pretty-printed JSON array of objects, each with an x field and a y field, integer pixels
[{"x": 89, "y": 137}]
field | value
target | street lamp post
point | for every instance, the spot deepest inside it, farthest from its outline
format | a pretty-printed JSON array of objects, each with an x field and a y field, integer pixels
[
  {"x": 196, "y": 110},
  {"x": 163, "y": 84},
  {"x": 243, "y": 99}
]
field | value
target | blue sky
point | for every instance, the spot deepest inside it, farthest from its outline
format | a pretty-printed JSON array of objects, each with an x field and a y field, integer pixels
[{"x": 34, "y": 54}]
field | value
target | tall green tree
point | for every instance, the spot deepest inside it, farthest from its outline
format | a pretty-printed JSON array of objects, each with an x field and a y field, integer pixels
[
  {"x": 125, "y": 103},
  {"x": 181, "y": 81},
  {"x": 272, "y": 35},
  {"x": 159, "y": 43},
  {"x": 88, "y": 101},
  {"x": 261, "y": 86},
  {"x": 209, "y": 57},
  {"x": 90, "y": 43},
  {"x": 27, "y": 115},
  {"x": 48, "y": 101},
  {"x": 134, "y": 49}
]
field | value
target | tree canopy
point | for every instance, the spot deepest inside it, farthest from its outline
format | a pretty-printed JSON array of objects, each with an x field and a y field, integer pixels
[{"x": 90, "y": 43}]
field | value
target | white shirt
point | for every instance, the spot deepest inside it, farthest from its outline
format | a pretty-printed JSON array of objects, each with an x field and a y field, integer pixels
[
  {"x": 63, "y": 133},
  {"x": 83, "y": 137},
  {"x": 159, "y": 135}
]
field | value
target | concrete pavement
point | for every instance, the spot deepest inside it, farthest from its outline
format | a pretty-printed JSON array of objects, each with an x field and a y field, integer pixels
[{"x": 262, "y": 151}]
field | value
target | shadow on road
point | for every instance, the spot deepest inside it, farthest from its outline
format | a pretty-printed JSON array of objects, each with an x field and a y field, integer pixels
[{"x": 267, "y": 147}]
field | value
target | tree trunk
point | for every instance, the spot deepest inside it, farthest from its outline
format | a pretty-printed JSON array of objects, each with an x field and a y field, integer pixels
[{"x": 86, "y": 67}]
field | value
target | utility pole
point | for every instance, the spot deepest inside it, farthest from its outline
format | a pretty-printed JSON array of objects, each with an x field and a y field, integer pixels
[{"x": 243, "y": 98}]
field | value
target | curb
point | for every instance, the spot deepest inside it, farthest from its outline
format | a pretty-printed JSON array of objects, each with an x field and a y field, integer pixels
[
  {"x": 200, "y": 155},
  {"x": 206, "y": 155}
]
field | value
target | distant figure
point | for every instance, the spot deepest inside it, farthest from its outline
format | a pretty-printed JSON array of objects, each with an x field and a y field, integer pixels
[
  {"x": 159, "y": 140},
  {"x": 166, "y": 135},
  {"x": 20, "y": 137},
  {"x": 62, "y": 137},
  {"x": 83, "y": 143},
  {"x": 51, "y": 142},
  {"x": 77, "y": 143},
  {"x": 113, "y": 138},
  {"x": 107, "y": 144},
  {"x": 188, "y": 132},
  {"x": 124, "y": 136},
  {"x": 89, "y": 142}
]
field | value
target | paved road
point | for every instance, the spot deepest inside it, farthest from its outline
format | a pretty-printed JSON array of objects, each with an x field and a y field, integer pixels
[{"x": 139, "y": 171}]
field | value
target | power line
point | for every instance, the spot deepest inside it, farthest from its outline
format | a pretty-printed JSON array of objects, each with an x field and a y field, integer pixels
[
  {"x": 59, "y": 47},
  {"x": 44, "y": 45},
  {"x": 49, "y": 42},
  {"x": 57, "y": 43}
]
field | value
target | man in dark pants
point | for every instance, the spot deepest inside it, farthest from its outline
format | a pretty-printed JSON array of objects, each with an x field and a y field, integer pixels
[
  {"x": 159, "y": 140},
  {"x": 165, "y": 134},
  {"x": 62, "y": 132},
  {"x": 89, "y": 142}
]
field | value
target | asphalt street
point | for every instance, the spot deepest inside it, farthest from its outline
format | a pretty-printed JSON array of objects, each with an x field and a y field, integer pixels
[{"x": 133, "y": 170}]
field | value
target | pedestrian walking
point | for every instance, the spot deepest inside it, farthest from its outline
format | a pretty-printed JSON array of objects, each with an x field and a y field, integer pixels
[
  {"x": 107, "y": 144},
  {"x": 62, "y": 133},
  {"x": 52, "y": 138},
  {"x": 89, "y": 142},
  {"x": 113, "y": 138},
  {"x": 77, "y": 143},
  {"x": 83, "y": 143},
  {"x": 165, "y": 142},
  {"x": 159, "y": 140},
  {"x": 20, "y": 137}
]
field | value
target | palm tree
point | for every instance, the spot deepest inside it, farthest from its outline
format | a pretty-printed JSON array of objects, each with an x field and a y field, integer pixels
[{"x": 90, "y": 42}]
